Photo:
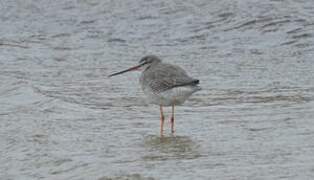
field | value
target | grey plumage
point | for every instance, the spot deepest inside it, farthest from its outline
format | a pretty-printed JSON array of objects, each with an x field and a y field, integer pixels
[{"x": 162, "y": 76}]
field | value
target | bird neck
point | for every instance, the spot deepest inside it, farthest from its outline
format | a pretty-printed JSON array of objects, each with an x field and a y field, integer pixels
[{"x": 148, "y": 66}]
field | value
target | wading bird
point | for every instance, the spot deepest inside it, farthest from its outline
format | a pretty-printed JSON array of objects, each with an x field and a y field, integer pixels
[{"x": 164, "y": 84}]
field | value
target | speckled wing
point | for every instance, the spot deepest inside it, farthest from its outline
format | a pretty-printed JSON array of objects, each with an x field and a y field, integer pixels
[{"x": 166, "y": 76}]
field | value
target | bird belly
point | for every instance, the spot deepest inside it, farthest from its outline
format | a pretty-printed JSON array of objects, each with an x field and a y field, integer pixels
[{"x": 176, "y": 96}]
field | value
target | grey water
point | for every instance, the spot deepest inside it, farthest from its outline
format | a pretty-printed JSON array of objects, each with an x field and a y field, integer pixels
[{"x": 62, "y": 118}]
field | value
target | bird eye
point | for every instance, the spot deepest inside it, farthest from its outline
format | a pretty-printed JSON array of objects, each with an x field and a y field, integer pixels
[{"x": 144, "y": 60}]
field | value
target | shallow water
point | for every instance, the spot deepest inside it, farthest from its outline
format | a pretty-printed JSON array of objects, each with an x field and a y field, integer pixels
[{"x": 62, "y": 118}]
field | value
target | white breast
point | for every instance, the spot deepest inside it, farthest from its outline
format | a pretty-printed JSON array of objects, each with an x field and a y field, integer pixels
[{"x": 175, "y": 96}]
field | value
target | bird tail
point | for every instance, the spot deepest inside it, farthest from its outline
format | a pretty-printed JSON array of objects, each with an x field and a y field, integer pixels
[
  {"x": 195, "y": 85},
  {"x": 195, "y": 82}
]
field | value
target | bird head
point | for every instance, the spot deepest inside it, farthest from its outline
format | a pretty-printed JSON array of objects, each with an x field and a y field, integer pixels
[{"x": 144, "y": 63}]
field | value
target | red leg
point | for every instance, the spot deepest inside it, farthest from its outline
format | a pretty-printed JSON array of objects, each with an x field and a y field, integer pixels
[
  {"x": 162, "y": 119},
  {"x": 172, "y": 119}
]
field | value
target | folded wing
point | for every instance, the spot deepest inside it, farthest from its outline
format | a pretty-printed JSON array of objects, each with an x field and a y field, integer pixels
[{"x": 166, "y": 76}]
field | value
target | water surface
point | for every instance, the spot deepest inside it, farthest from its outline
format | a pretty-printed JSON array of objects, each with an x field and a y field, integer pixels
[{"x": 62, "y": 118}]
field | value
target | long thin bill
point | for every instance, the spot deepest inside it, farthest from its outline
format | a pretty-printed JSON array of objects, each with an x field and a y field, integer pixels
[{"x": 127, "y": 70}]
